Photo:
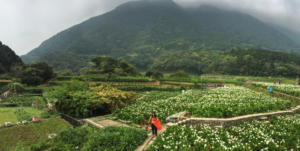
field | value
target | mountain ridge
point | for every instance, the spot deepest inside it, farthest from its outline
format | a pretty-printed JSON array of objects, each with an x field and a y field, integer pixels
[
  {"x": 8, "y": 58},
  {"x": 142, "y": 31}
]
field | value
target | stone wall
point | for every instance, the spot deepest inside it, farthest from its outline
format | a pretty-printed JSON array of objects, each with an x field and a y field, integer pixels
[{"x": 228, "y": 122}]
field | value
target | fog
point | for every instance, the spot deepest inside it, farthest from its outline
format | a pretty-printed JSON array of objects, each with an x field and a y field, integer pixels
[{"x": 25, "y": 24}]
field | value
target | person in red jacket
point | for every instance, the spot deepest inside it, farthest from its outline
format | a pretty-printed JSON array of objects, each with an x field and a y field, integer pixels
[{"x": 153, "y": 118}]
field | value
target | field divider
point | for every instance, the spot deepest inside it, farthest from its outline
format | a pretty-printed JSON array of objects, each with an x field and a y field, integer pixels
[
  {"x": 228, "y": 122},
  {"x": 279, "y": 93}
]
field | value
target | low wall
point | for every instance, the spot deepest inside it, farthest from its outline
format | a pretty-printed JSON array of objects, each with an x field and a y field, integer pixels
[
  {"x": 228, "y": 122},
  {"x": 90, "y": 122}
]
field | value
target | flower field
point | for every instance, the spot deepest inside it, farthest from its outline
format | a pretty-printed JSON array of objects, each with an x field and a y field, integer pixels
[
  {"x": 235, "y": 101},
  {"x": 283, "y": 135},
  {"x": 164, "y": 106},
  {"x": 283, "y": 88},
  {"x": 157, "y": 95}
]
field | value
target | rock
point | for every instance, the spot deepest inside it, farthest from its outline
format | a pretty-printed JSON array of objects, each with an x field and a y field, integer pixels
[
  {"x": 8, "y": 124},
  {"x": 51, "y": 136},
  {"x": 267, "y": 122},
  {"x": 24, "y": 122},
  {"x": 170, "y": 124},
  {"x": 114, "y": 118},
  {"x": 220, "y": 126},
  {"x": 128, "y": 122},
  {"x": 263, "y": 118}
]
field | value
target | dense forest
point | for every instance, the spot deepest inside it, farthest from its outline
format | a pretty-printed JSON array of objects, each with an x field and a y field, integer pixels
[
  {"x": 255, "y": 62},
  {"x": 8, "y": 58},
  {"x": 108, "y": 65},
  {"x": 151, "y": 34}
]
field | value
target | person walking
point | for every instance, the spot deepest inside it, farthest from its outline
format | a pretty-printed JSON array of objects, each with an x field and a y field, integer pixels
[{"x": 153, "y": 118}]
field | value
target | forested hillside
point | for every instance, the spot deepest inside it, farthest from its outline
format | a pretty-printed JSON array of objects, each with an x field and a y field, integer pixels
[
  {"x": 294, "y": 35},
  {"x": 255, "y": 62},
  {"x": 159, "y": 35},
  {"x": 7, "y": 58}
]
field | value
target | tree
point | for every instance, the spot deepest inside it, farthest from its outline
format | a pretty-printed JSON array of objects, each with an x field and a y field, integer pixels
[
  {"x": 155, "y": 74},
  {"x": 104, "y": 65},
  {"x": 37, "y": 73},
  {"x": 16, "y": 85},
  {"x": 272, "y": 69}
]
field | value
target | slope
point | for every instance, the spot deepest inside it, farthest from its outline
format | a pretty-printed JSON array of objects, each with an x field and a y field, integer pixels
[
  {"x": 294, "y": 35},
  {"x": 240, "y": 29},
  {"x": 155, "y": 33},
  {"x": 8, "y": 58}
]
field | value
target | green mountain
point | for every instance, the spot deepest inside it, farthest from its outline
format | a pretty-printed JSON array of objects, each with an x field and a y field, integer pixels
[
  {"x": 159, "y": 35},
  {"x": 294, "y": 35},
  {"x": 8, "y": 58}
]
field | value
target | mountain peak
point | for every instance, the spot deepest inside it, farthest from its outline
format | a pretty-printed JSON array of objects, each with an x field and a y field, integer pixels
[{"x": 209, "y": 9}]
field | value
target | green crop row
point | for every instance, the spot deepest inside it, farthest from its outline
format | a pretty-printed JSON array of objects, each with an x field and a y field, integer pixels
[
  {"x": 121, "y": 79},
  {"x": 61, "y": 78},
  {"x": 199, "y": 80},
  {"x": 283, "y": 88},
  {"x": 148, "y": 89}
]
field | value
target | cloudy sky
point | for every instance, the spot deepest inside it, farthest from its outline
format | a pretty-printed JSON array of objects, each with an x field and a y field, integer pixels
[{"x": 25, "y": 24}]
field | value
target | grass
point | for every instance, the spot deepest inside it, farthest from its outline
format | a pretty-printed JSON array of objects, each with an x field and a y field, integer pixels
[
  {"x": 31, "y": 133},
  {"x": 7, "y": 113}
]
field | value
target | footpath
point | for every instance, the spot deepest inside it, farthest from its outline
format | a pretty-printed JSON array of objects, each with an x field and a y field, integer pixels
[
  {"x": 104, "y": 121},
  {"x": 150, "y": 140}
]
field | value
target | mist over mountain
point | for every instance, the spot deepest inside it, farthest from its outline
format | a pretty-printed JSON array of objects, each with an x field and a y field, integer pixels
[
  {"x": 159, "y": 35},
  {"x": 292, "y": 34}
]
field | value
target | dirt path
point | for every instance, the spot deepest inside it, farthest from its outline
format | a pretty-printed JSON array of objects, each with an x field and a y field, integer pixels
[{"x": 149, "y": 139}]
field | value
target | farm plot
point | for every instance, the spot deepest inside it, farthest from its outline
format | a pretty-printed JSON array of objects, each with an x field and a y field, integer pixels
[
  {"x": 235, "y": 101},
  {"x": 157, "y": 95},
  {"x": 283, "y": 135},
  {"x": 31, "y": 133},
  {"x": 163, "y": 107},
  {"x": 283, "y": 88}
]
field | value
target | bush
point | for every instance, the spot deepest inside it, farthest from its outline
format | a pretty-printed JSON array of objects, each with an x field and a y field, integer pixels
[
  {"x": 23, "y": 116},
  {"x": 69, "y": 139},
  {"x": 78, "y": 100},
  {"x": 33, "y": 91},
  {"x": 5, "y": 76},
  {"x": 154, "y": 74},
  {"x": 37, "y": 73},
  {"x": 116, "y": 138},
  {"x": 65, "y": 72},
  {"x": 240, "y": 79},
  {"x": 179, "y": 74}
]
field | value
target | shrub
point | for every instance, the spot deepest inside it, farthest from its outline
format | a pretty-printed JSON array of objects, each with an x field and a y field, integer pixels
[
  {"x": 36, "y": 74},
  {"x": 78, "y": 100},
  {"x": 155, "y": 74},
  {"x": 179, "y": 74},
  {"x": 116, "y": 138},
  {"x": 241, "y": 79}
]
